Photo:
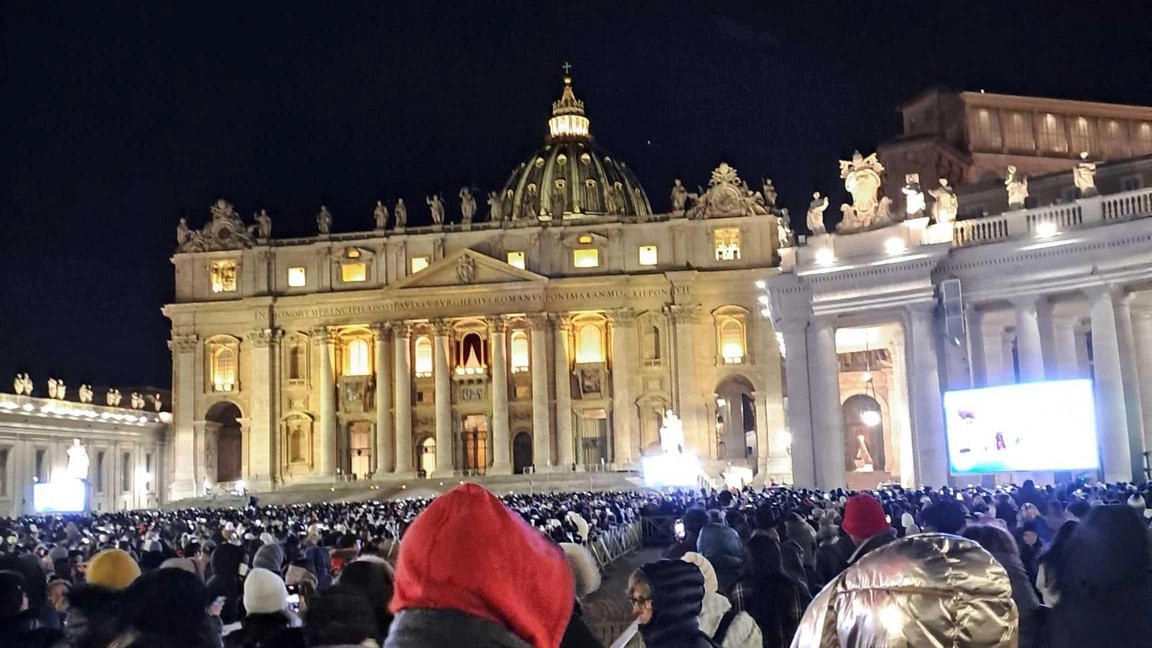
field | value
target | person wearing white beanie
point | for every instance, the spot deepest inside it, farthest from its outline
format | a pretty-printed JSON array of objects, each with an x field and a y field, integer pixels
[
  {"x": 267, "y": 621},
  {"x": 264, "y": 592}
]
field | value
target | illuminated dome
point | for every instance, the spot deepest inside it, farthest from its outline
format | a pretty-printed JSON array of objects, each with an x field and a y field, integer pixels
[{"x": 570, "y": 177}]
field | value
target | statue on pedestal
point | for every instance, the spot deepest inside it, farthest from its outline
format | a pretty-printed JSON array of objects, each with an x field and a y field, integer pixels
[
  {"x": 77, "y": 461},
  {"x": 862, "y": 178},
  {"x": 784, "y": 230},
  {"x": 437, "y": 207},
  {"x": 816, "y": 213},
  {"x": 946, "y": 206},
  {"x": 56, "y": 388},
  {"x": 183, "y": 234},
  {"x": 914, "y": 203},
  {"x": 1017, "y": 185},
  {"x": 263, "y": 224},
  {"x": 85, "y": 393},
  {"x": 1084, "y": 175},
  {"x": 137, "y": 401},
  {"x": 672, "y": 433},
  {"x": 22, "y": 385},
  {"x": 769, "y": 191},
  {"x": 495, "y": 207},
  {"x": 467, "y": 205},
  {"x": 113, "y": 398},
  {"x": 380, "y": 215},
  {"x": 401, "y": 212},
  {"x": 324, "y": 220},
  {"x": 679, "y": 197},
  {"x": 557, "y": 200},
  {"x": 157, "y": 402}
]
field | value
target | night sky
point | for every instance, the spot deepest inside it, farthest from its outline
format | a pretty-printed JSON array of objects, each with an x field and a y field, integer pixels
[{"x": 119, "y": 118}]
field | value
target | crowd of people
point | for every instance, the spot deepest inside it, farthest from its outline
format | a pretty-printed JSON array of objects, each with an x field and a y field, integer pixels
[{"x": 773, "y": 567}]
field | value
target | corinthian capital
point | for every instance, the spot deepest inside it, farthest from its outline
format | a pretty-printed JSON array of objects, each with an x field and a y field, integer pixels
[
  {"x": 622, "y": 316},
  {"x": 442, "y": 327},
  {"x": 183, "y": 343},
  {"x": 497, "y": 324},
  {"x": 684, "y": 313},
  {"x": 381, "y": 332},
  {"x": 261, "y": 338},
  {"x": 320, "y": 334},
  {"x": 562, "y": 321},
  {"x": 538, "y": 321}
]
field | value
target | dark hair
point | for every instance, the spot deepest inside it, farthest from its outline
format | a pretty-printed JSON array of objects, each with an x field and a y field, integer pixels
[
  {"x": 1055, "y": 555},
  {"x": 945, "y": 516},
  {"x": 1079, "y": 508},
  {"x": 694, "y": 520},
  {"x": 762, "y": 558},
  {"x": 993, "y": 538},
  {"x": 11, "y": 593},
  {"x": 339, "y": 615},
  {"x": 373, "y": 580},
  {"x": 766, "y": 518}
]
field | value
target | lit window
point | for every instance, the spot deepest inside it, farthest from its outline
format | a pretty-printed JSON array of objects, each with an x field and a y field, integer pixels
[
  {"x": 727, "y": 244},
  {"x": 516, "y": 259},
  {"x": 647, "y": 255},
  {"x": 223, "y": 276},
  {"x": 353, "y": 272},
  {"x": 1114, "y": 138},
  {"x": 1143, "y": 138},
  {"x": 586, "y": 258},
  {"x": 297, "y": 277},
  {"x": 358, "y": 358},
  {"x": 732, "y": 341},
  {"x": 519, "y": 351},
  {"x": 589, "y": 344},
  {"x": 1018, "y": 132},
  {"x": 423, "y": 363},
  {"x": 223, "y": 370},
  {"x": 986, "y": 129},
  {"x": 1082, "y": 136},
  {"x": 419, "y": 263},
  {"x": 1052, "y": 134},
  {"x": 585, "y": 239},
  {"x": 470, "y": 360}
]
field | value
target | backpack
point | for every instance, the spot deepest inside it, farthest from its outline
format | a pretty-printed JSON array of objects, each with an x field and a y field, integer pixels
[{"x": 725, "y": 624}]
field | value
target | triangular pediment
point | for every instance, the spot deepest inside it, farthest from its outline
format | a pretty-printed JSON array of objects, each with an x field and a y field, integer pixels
[{"x": 467, "y": 268}]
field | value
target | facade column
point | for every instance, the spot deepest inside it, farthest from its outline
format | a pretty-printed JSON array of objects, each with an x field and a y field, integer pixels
[
  {"x": 565, "y": 451},
  {"x": 261, "y": 464},
  {"x": 1064, "y": 346},
  {"x": 385, "y": 458},
  {"x": 799, "y": 409},
  {"x": 1029, "y": 348},
  {"x": 623, "y": 410},
  {"x": 322, "y": 339},
  {"x": 541, "y": 430},
  {"x": 827, "y": 413},
  {"x": 926, "y": 404},
  {"x": 443, "y": 396},
  {"x": 1111, "y": 416},
  {"x": 184, "y": 390},
  {"x": 1142, "y": 343},
  {"x": 1130, "y": 373},
  {"x": 687, "y": 400},
  {"x": 997, "y": 354},
  {"x": 402, "y": 398},
  {"x": 977, "y": 354},
  {"x": 501, "y": 443}
]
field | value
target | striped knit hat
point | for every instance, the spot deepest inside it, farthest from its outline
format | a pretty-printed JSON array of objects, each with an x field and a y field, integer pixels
[{"x": 677, "y": 598}]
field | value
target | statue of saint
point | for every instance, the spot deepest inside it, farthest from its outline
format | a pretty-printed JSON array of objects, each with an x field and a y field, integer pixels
[
  {"x": 507, "y": 205},
  {"x": 784, "y": 230},
  {"x": 672, "y": 433},
  {"x": 530, "y": 204},
  {"x": 611, "y": 200},
  {"x": 679, "y": 197},
  {"x": 816, "y": 213},
  {"x": 495, "y": 207},
  {"x": 437, "y": 206},
  {"x": 1017, "y": 185},
  {"x": 862, "y": 178},
  {"x": 913, "y": 195},
  {"x": 946, "y": 206},
  {"x": 1084, "y": 175},
  {"x": 183, "y": 234},
  {"x": 324, "y": 220},
  {"x": 77, "y": 461},
  {"x": 157, "y": 402},
  {"x": 263, "y": 224},
  {"x": 85, "y": 393},
  {"x": 18, "y": 385},
  {"x": 381, "y": 216},
  {"x": 557, "y": 201},
  {"x": 401, "y": 212},
  {"x": 137, "y": 401},
  {"x": 769, "y": 192},
  {"x": 113, "y": 398},
  {"x": 467, "y": 204},
  {"x": 26, "y": 385}
]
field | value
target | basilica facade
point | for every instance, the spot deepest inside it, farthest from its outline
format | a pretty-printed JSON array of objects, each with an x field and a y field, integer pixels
[{"x": 553, "y": 333}]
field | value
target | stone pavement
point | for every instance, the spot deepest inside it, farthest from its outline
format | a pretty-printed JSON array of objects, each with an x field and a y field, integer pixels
[{"x": 607, "y": 611}]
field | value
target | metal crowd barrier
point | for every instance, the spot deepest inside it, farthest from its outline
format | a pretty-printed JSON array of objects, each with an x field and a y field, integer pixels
[
  {"x": 611, "y": 545},
  {"x": 659, "y": 530}
]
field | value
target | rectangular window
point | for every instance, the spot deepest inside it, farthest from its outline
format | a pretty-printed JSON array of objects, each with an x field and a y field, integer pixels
[
  {"x": 100, "y": 472},
  {"x": 1052, "y": 134},
  {"x": 223, "y": 276},
  {"x": 126, "y": 472},
  {"x": 1143, "y": 140},
  {"x": 1018, "y": 132},
  {"x": 727, "y": 242},
  {"x": 648, "y": 255},
  {"x": 359, "y": 362},
  {"x": 3, "y": 472},
  {"x": 587, "y": 258},
  {"x": 985, "y": 129},
  {"x": 353, "y": 272},
  {"x": 1114, "y": 138},
  {"x": 1080, "y": 132},
  {"x": 297, "y": 278},
  {"x": 419, "y": 263},
  {"x": 516, "y": 260}
]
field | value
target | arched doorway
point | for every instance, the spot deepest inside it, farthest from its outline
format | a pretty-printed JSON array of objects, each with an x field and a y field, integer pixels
[
  {"x": 427, "y": 456},
  {"x": 735, "y": 409},
  {"x": 521, "y": 452},
  {"x": 863, "y": 435},
  {"x": 229, "y": 441}
]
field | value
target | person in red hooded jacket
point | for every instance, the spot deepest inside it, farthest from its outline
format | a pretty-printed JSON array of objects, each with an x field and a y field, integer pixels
[{"x": 471, "y": 569}]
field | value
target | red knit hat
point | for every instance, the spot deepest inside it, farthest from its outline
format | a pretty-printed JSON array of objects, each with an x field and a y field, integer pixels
[
  {"x": 864, "y": 517},
  {"x": 469, "y": 552}
]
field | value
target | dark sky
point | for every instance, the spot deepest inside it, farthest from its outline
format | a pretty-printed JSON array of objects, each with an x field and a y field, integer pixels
[{"x": 118, "y": 118}]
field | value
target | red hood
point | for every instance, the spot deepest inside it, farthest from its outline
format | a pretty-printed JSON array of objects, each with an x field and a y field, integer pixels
[{"x": 469, "y": 552}]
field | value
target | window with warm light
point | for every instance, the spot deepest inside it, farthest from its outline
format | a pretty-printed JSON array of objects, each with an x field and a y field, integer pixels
[
  {"x": 296, "y": 362},
  {"x": 648, "y": 255},
  {"x": 1052, "y": 134},
  {"x": 1018, "y": 132},
  {"x": 586, "y": 258},
  {"x": 419, "y": 263},
  {"x": 1143, "y": 140},
  {"x": 1080, "y": 131},
  {"x": 519, "y": 354},
  {"x": 1114, "y": 137},
  {"x": 223, "y": 370},
  {"x": 986, "y": 129},
  {"x": 423, "y": 359},
  {"x": 359, "y": 358},
  {"x": 223, "y": 276},
  {"x": 732, "y": 341},
  {"x": 589, "y": 344},
  {"x": 353, "y": 272},
  {"x": 297, "y": 278},
  {"x": 516, "y": 259},
  {"x": 727, "y": 242}
]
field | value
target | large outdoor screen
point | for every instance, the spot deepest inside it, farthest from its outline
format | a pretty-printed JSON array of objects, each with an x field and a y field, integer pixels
[
  {"x": 61, "y": 496},
  {"x": 1039, "y": 426}
]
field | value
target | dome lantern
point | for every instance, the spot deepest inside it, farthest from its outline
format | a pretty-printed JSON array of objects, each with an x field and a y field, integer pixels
[{"x": 568, "y": 120}]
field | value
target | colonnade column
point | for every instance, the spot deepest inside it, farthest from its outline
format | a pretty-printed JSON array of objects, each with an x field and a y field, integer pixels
[
  {"x": 1112, "y": 419},
  {"x": 976, "y": 354},
  {"x": 622, "y": 406},
  {"x": 1129, "y": 372},
  {"x": 1064, "y": 345},
  {"x": 385, "y": 456},
  {"x": 1029, "y": 347},
  {"x": 541, "y": 430},
  {"x": 402, "y": 398},
  {"x": 799, "y": 406},
  {"x": 925, "y": 402},
  {"x": 322, "y": 339},
  {"x": 827, "y": 414},
  {"x": 183, "y": 409},
  {"x": 261, "y": 466},
  {"x": 501, "y": 444},
  {"x": 443, "y": 396},
  {"x": 1142, "y": 341},
  {"x": 565, "y": 452}
]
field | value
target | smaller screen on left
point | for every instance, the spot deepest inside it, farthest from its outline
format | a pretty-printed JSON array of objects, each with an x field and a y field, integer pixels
[{"x": 65, "y": 496}]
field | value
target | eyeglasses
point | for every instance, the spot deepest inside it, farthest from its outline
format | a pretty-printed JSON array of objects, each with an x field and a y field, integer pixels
[{"x": 638, "y": 600}]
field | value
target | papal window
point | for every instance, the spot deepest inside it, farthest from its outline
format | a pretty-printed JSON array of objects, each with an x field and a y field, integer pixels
[{"x": 589, "y": 344}]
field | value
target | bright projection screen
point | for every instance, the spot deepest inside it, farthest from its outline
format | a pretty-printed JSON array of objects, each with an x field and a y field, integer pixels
[
  {"x": 1040, "y": 426},
  {"x": 63, "y": 496}
]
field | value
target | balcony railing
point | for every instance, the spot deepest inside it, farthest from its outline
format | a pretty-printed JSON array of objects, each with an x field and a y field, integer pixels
[{"x": 1084, "y": 212}]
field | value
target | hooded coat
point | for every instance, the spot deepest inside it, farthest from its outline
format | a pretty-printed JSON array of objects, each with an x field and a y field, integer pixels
[
  {"x": 677, "y": 600},
  {"x": 930, "y": 589},
  {"x": 226, "y": 580},
  {"x": 721, "y": 545}
]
